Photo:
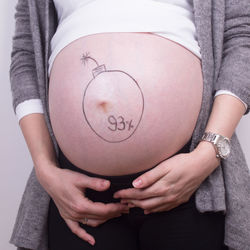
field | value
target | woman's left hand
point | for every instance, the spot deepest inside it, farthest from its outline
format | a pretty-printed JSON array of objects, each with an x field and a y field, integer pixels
[{"x": 172, "y": 182}]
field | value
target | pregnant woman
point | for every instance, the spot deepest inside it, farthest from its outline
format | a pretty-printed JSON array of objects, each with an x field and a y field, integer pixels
[{"x": 130, "y": 120}]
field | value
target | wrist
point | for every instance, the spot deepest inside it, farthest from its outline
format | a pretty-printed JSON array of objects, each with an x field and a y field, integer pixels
[
  {"x": 46, "y": 173},
  {"x": 43, "y": 158},
  {"x": 206, "y": 154}
]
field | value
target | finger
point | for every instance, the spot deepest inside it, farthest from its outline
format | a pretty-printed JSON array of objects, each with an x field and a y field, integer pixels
[
  {"x": 150, "y": 177},
  {"x": 98, "y": 217},
  {"x": 102, "y": 209},
  {"x": 83, "y": 206},
  {"x": 160, "y": 188},
  {"x": 80, "y": 232},
  {"x": 91, "y": 222},
  {"x": 96, "y": 222},
  {"x": 169, "y": 204},
  {"x": 132, "y": 193},
  {"x": 97, "y": 184},
  {"x": 146, "y": 204}
]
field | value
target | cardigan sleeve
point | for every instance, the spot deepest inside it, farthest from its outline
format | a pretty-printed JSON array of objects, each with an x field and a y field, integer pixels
[
  {"x": 27, "y": 107},
  {"x": 23, "y": 78},
  {"x": 234, "y": 73}
]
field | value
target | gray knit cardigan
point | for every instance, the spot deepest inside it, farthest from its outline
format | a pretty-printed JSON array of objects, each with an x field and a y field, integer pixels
[{"x": 223, "y": 30}]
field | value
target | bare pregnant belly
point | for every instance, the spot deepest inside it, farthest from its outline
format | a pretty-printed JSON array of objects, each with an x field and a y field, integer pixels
[{"x": 122, "y": 102}]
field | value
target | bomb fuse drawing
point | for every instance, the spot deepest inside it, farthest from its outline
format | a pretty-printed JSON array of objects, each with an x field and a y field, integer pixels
[{"x": 112, "y": 104}]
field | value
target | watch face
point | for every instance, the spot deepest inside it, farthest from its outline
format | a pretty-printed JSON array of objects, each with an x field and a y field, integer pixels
[{"x": 224, "y": 147}]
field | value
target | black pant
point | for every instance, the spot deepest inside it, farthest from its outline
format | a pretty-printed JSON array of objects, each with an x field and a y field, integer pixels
[{"x": 182, "y": 228}]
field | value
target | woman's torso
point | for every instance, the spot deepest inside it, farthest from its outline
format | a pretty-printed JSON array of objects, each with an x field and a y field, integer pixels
[
  {"x": 137, "y": 110},
  {"x": 121, "y": 102}
]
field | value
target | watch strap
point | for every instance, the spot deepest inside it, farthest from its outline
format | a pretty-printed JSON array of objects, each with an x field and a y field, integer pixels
[{"x": 213, "y": 138}]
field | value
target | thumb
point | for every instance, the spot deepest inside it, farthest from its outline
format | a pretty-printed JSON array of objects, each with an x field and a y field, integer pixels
[{"x": 97, "y": 184}]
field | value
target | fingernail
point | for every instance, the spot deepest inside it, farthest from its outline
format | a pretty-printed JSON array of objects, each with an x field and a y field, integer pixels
[
  {"x": 130, "y": 205},
  {"x": 115, "y": 195},
  {"x": 91, "y": 242},
  {"x": 137, "y": 183},
  {"x": 104, "y": 183}
]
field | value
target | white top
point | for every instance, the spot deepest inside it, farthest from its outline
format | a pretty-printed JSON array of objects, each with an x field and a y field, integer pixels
[
  {"x": 173, "y": 19},
  {"x": 78, "y": 18}
]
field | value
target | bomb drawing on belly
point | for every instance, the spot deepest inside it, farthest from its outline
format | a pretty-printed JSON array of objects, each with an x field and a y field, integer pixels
[{"x": 112, "y": 103}]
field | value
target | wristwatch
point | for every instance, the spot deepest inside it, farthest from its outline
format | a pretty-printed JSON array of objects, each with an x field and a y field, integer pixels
[{"x": 221, "y": 144}]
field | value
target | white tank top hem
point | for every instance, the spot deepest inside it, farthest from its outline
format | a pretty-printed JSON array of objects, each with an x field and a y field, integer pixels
[
  {"x": 172, "y": 19},
  {"x": 75, "y": 13}
]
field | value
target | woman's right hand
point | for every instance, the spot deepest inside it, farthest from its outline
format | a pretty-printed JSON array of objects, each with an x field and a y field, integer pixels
[
  {"x": 67, "y": 187},
  {"x": 64, "y": 186}
]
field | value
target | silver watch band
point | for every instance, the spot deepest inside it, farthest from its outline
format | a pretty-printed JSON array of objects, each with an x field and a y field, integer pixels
[{"x": 212, "y": 137}]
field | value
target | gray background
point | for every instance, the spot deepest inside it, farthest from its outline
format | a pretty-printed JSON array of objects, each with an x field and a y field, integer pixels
[{"x": 15, "y": 160}]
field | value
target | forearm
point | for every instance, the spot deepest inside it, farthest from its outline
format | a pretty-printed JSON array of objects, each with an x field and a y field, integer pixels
[
  {"x": 224, "y": 118},
  {"x": 39, "y": 142}
]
